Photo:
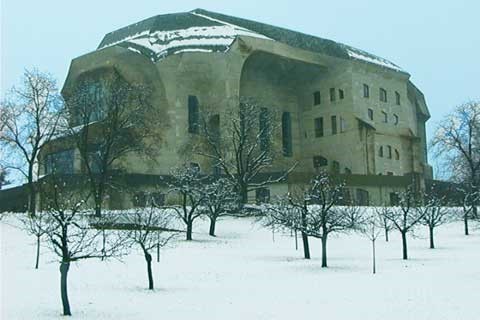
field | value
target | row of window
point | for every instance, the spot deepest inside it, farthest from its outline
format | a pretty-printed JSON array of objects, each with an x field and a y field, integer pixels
[
  {"x": 61, "y": 162},
  {"x": 319, "y": 127},
  {"x": 319, "y": 162},
  {"x": 388, "y": 153},
  {"x": 317, "y": 97},
  {"x": 384, "y": 117},
  {"x": 264, "y": 126},
  {"x": 382, "y": 94}
]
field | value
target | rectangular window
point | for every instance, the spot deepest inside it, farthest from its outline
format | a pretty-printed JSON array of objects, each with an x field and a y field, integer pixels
[
  {"x": 264, "y": 129},
  {"x": 332, "y": 94},
  {"x": 389, "y": 152},
  {"x": 319, "y": 161},
  {"x": 335, "y": 167},
  {"x": 341, "y": 94},
  {"x": 370, "y": 114},
  {"x": 334, "y": 124},
  {"x": 262, "y": 195},
  {"x": 362, "y": 197},
  {"x": 317, "y": 99},
  {"x": 397, "y": 98},
  {"x": 287, "y": 134},
  {"x": 59, "y": 162},
  {"x": 385, "y": 117},
  {"x": 342, "y": 124},
  {"x": 395, "y": 119},
  {"x": 319, "y": 127},
  {"x": 193, "y": 115},
  {"x": 366, "y": 91},
  {"x": 383, "y": 95}
]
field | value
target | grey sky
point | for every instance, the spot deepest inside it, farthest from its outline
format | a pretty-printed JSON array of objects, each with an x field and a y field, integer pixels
[{"x": 437, "y": 42}]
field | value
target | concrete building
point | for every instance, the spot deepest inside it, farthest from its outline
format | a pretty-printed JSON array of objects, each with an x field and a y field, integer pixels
[{"x": 351, "y": 112}]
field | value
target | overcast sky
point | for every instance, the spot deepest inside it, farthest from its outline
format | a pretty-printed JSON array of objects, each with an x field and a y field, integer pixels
[{"x": 437, "y": 42}]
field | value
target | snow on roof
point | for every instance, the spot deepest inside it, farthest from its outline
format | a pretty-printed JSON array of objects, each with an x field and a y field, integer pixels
[
  {"x": 362, "y": 55},
  {"x": 205, "y": 31},
  {"x": 160, "y": 43}
]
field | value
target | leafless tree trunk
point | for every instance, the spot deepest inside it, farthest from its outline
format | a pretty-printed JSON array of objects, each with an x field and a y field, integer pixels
[{"x": 28, "y": 121}]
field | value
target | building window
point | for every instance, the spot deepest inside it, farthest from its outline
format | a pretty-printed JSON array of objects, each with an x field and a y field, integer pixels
[
  {"x": 366, "y": 91},
  {"x": 95, "y": 158},
  {"x": 262, "y": 195},
  {"x": 317, "y": 98},
  {"x": 195, "y": 166},
  {"x": 59, "y": 162},
  {"x": 380, "y": 152},
  {"x": 319, "y": 161},
  {"x": 287, "y": 134},
  {"x": 395, "y": 119},
  {"x": 385, "y": 117},
  {"x": 394, "y": 199},
  {"x": 383, "y": 95},
  {"x": 389, "y": 152},
  {"x": 341, "y": 94},
  {"x": 362, "y": 197},
  {"x": 370, "y": 114},
  {"x": 193, "y": 115},
  {"x": 397, "y": 98},
  {"x": 397, "y": 155},
  {"x": 342, "y": 124},
  {"x": 319, "y": 127},
  {"x": 264, "y": 130},
  {"x": 335, "y": 167},
  {"x": 389, "y": 173},
  {"x": 334, "y": 124},
  {"x": 332, "y": 94},
  {"x": 348, "y": 171},
  {"x": 144, "y": 199}
]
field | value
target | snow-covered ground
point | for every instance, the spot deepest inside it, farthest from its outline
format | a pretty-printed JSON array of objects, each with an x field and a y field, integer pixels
[{"x": 244, "y": 274}]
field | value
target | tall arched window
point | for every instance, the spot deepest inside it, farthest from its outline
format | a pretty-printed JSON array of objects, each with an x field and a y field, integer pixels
[
  {"x": 287, "y": 134},
  {"x": 193, "y": 115},
  {"x": 264, "y": 129}
]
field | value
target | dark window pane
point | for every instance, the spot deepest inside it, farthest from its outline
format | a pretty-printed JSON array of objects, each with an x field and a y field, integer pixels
[
  {"x": 319, "y": 127},
  {"x": 264, "y": 130},
  {"x": 334, "y": 124},
  {"x": 193, "y": 115},
  {"x": 332, "y": 94},
  {"x": 287, "y": 134},
  {"x": 341, "y": 94},
  {"x": 366, "y": 91},
  {"x": 316, "y": 98}
]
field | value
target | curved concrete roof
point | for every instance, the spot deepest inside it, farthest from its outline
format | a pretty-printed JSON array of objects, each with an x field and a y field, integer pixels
[{"x": 204, "y": 31}]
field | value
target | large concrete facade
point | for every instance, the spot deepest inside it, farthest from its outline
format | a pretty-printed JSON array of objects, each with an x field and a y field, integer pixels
[{"x": 378, "y": 146}]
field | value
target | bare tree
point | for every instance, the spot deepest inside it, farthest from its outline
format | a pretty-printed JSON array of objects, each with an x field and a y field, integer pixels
[
  {"x": 433, "y": 213},
  {"x": 29, "y": 119},
  {"x": 71, "y": 235},
  {"x": 457, "y": 139},
  {"x": 219, "y": 201},
  {"x": 109, "y": 118},
  {"x": 188, "y": 184},
  {"x": 405, "y": 217},
  {"x": 150, "y": 228},
  {"x": 290, "y": 214},
  {"x": 371, "y": 227},
  {"x": 319, "y": 216},
  {"x": 467, "y": 199},
  {"x": 245, "y": 147},
  {"x": 386, "y": 224},
  {"x": 38, "y": 226}
]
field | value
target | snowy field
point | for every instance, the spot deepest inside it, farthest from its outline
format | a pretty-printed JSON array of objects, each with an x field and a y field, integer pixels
[{"x": 244, "y": 274}]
